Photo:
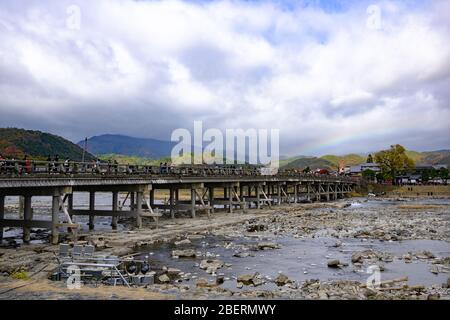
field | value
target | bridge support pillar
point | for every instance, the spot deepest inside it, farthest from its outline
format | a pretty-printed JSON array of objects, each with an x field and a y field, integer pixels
[
  {"x": 70, "y": 204},
  {"x": 258, "y": 195},
  {"x": 171, "y": 203},
  {"x": 295, "y": 193},
  {"x": 279, "y": 193},
  {"x": 132, "y": 201},
  {"x": 193, "y": 196},
  {"x": 211, "y": 198},
  {"x": 91, "y": 210},
  {"x": 327, "y": 195},
  {"x": 336, "y": 186},
  {"x": 28, "y": 216},
  {"x": 2, "y": 215},
  {"x": 139, "y": 197},
  {"x": 55, "y": 219},
  {"x": 115, "y": 207},
  {"x": 230, "y": 199},
  {"x": 21, "y": 207},
  {"x": 152, "y": 197}
]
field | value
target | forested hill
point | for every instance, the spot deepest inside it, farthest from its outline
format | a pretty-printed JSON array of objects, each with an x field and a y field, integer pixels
[{"x": 16, "y": 143}]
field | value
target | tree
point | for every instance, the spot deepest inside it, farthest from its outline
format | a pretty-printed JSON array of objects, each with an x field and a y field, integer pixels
[
  {"x": 369, "y": 174},
  {"x": 443, "y": 173},
  {"x": 307, "y": 170},
  {"x": 394, "y": 161},
  {"x": 425, "y": 176},
  {"x": 369, "y": 159},
  {"x": 380, "y": 177}
]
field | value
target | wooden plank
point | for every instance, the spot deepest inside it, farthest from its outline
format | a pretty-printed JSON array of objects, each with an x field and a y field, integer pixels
[
  {"x": 68, "y": 225},
  {"x": 104, "y": 213}
]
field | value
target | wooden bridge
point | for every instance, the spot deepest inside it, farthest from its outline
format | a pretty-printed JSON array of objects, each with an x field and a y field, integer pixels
[{"x": 210, "y": 188}]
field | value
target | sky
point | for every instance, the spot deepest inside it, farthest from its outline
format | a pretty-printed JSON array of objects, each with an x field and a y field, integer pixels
[{"x": 333, "y": 76}]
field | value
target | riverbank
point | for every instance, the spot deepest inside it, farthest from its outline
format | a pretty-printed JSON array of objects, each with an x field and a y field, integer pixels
[
  {"x": 410, "y": 191},
  {"x": 302, "y": 251}
]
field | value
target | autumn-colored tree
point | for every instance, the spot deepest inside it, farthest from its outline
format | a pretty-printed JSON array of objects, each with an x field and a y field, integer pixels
[{"x": 394, "y": 161}]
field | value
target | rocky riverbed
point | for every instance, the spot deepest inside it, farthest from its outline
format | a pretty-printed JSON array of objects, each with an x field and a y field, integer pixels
[{"x": 352, "y": 249}]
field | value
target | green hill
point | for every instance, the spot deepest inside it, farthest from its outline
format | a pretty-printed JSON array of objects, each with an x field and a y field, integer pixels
[
  {"x": 436, "y": 157},
  {"x": 346, "y": 160},
  {"x": 311, "y": 162},
  {"x": 16, "y": 143}
]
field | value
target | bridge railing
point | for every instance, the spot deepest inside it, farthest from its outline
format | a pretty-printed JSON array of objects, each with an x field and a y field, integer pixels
[{"x": 28, "y": 168}]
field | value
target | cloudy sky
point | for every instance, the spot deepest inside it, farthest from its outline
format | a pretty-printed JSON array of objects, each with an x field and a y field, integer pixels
[{"x": 333, "y": 76}]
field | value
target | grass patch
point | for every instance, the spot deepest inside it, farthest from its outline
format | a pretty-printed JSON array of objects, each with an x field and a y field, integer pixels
[{"x": 20, "y": 275}]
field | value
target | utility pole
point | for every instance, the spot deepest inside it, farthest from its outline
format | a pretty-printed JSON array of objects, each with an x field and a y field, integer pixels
[{"x": 84, "y": 149}]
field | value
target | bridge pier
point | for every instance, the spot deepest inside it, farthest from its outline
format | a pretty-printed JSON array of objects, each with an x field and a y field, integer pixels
[
  {"x": 296, "y": 187},
  {"x": 193, "y": 196},
  {"x": 171, "y": 203},
  {"x": 279, "y": 194},
  {"x": 28, "y": 216},
  {"x": 211, "y": 198},
  {"x": 2, "y": 215},
  {"x": 139, "y": 197},
  {"x": 91, "y": 210},
  {"x": 55, "y": 219},
  {"x": 115, "y": 207}
]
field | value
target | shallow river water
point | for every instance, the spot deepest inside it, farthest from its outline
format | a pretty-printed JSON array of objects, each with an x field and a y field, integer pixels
[{"x": 301, "y": 259}]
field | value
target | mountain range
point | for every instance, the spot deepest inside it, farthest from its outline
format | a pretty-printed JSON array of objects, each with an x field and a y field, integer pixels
[
  {"x": 128, "y": 146},
  {"x": 17, "y": 143}
]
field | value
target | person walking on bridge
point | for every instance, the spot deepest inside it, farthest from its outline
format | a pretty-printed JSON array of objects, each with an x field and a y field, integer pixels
[
  {"x": 27, "y": 165},
  {"x": 2, "y": 163},
  {"x": 66, "y": 165}
]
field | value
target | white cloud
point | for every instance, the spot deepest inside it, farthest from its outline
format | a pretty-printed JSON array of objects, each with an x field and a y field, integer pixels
[{"x": 323, "y": 78}]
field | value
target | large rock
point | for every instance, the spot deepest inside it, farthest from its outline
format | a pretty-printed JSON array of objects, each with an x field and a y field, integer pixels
[
  {"x": 250, "y": 279},
  {"x": 282, "y": 280},
  {"x": 333, "y": 263},
  {"x": 183, "y": 242},
  {"x": 246, "y": 279},
  {"x": 242, "y": 254},
  {"x": 189, "y": 253},
  {"x": 425, "y": 255},
  {"x": 256, "y": 227},
  {"x": 164, "y": 278},
  {"x": 211, "y": 265},
  {"x": 202, "y": 283},
  {"x": 173, "y": 272},
  {"x": 267, "y": 245}
]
